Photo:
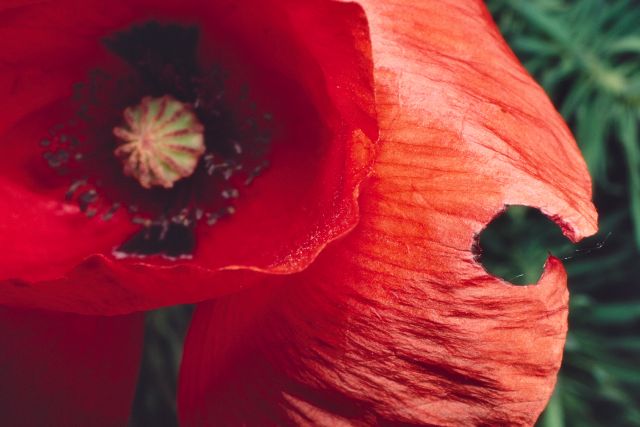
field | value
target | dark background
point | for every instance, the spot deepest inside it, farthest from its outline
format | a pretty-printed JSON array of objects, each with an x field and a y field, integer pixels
[{"x": 586, "y": 54}]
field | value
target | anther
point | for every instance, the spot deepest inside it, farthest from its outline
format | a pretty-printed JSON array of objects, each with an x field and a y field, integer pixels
[
  {"x": 73, "y": 188},
  {"x": 111, "y": 212},
  {"x": 86, "y": 199},
  {"x": 231, "y": 193}
]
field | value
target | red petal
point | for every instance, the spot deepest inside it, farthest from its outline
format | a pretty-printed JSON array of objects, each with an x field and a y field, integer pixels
[
  {"x": 43, "y": 53},
  {"x": 66, "y": 369},
  {"x": 397, "y": 323},
  {"x": 368, "y": 342},
  {"x": 305, "y": 200}
]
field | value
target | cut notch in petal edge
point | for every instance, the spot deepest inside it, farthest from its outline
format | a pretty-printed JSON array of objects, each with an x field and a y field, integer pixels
[{"x": 516, "y": 244}]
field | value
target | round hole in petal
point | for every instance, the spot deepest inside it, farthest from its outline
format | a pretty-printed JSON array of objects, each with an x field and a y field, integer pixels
[{"x": 516, "y": 244}]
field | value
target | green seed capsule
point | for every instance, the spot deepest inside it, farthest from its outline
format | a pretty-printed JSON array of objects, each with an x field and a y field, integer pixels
[{"x": 162, "y": 141}]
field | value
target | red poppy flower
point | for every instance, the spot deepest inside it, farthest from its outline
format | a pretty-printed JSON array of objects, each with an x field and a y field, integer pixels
[{"x": 352, "y": 153}]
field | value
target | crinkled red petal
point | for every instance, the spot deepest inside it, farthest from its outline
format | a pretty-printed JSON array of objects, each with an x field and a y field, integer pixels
[
  {"x": 62, "y": 369},
  {"x": 375, "y": 341},
  {"x": 397, "y": 323},
  {"x": 54, "y": 257}
]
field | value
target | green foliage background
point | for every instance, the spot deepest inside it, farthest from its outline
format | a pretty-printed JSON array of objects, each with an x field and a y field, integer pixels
[{"x": 586, "y": 54}]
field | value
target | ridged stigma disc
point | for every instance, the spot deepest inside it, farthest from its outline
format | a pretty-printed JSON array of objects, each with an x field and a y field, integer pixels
[{"x": 162, "y": 141}]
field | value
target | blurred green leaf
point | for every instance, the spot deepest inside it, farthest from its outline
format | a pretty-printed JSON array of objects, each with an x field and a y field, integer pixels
[
  {"x": 586, "y": 54},
  {"x": 616, "y": 313}
]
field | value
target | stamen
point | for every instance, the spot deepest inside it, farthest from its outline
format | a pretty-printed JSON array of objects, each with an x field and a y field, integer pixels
[
  {"x": 111, "y": 212},
  {"x": 174, "y": 240},
  {"x": 86, "y": 199},
  {"x": 73, "y": 188},
  {"x": 231, "y": 193},
  {"x": 256, "y": 173}
]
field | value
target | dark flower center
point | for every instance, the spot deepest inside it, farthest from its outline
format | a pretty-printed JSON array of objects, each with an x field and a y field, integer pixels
[{"x": 162, "y": 71}]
